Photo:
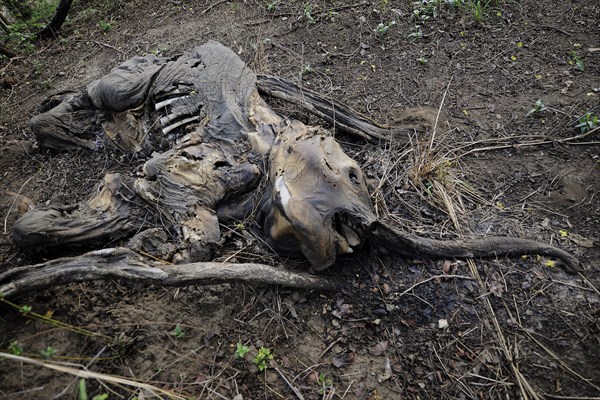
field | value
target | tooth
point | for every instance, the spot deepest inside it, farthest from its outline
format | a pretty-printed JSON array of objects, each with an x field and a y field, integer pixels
[
  {"x": 351, "y": 236},
  {"x": 343, "y": 247}
]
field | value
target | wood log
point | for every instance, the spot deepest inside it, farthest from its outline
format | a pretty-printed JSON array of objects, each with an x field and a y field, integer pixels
[{"x": 126, "y": 265}]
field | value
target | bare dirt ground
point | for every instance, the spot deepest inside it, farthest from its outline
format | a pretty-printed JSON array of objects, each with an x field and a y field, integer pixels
[{"x": 516, "y": 328}]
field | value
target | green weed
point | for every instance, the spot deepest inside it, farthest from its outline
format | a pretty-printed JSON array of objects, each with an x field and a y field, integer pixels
[
  {"x": 241, "y": 350},
  {"x": 262, "y": 358},
  {"x": 178, "y": 332},
  {"x": 307, "y": 13},
  {"x": 325, "y": 383},
  {"x": 423, "y": 10},
  {"x": 478, "y": 9},
  {"x": 49, "y": 352},
  {"x": 587, "y": 122},
  {"x": 577, "y": 60},
  {"x": 271, "y": 5},
  {"x": 82, "y": 392},
  {"x": 15, "y": 348},
  {"x": 383, "y": 29},
  {"x": 105, "y": 26},
  {"x": 306, "y": 70},
  {"x": 27, "y": 311},
  {"x": 538, "y": 107},
  {"x": 23, "y": 31}
]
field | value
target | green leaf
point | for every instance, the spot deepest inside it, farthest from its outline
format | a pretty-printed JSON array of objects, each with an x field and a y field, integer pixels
[
  {"x": 49, "y": 352},
  {"x": 241, "y": 350},
  {"x": 82, "y": 390}
]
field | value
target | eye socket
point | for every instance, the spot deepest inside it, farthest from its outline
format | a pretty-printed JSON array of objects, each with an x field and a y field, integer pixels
[{"x": 353, "y": 175}]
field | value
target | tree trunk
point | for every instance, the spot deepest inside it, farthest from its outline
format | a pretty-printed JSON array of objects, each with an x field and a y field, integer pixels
[{"x": 59, "y": 17}]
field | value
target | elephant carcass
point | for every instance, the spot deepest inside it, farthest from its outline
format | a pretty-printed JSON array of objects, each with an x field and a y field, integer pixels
[
  {"x": 211, "y": 146},
  {"x": 231, "y": 135}
]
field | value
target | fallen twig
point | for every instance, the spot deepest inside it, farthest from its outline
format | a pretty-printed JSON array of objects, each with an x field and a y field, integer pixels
[
  {"x": 91, "y": 375},
  {"x": 213, "y": 6},
  {"x": 432, "y": 278},
  {"x": 294, "y": 389},
  {"x": 531, "y": 144}
]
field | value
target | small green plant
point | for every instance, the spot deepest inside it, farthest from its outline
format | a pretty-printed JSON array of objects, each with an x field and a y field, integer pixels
[
  {"x": 306, "y": 70},
  {"x": 15, "y": 348},
  {"x": 241, "y": 350},
  {"x": 324, "y": 383},
  {"x": 38, "y": 67},
  {"x": 422, "y": 60},
  {"x": 425, "y": 9},
  {"x": 453, "y": 4},
  {"x": 178, "y": 332},
  {"x": 538, "y": 107},
  {"x": 271, "y": 5},
  {"x": 105, "y": 26},
  {"x": 82, "y": 392},
  {"x": 25, "y": 309},
  {"x": 49, "y": 352},
  {"x": 417, "y": 33},
  {"x": 577, "y": 60},
  {"x": 307, "y": 13},
  {"x": 383, "y": 29},
  {"x": 478, "y": 9},
  {"x": 331, "y": 15},
  {"x": 587, "y": 122},
  {"x": 264, "y": 355}
]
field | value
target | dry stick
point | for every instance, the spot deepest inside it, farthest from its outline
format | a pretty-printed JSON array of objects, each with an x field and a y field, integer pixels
[
  {"x": 5, "y": 232},
  {"x": 529, "y": 144},
  {"x": 294, "y": 389},
  {"x": 213, "y": 6},
  {"x": 347, "y": 389},
  {"x": 590, "y": 284},
  {"x": 90, "y": 375},
  {"x": 329, "y": 347},
  {"x": 432, "y": 278},
  {"x": 437, "y": 117},
  {"x": 561, "y": 362}
]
